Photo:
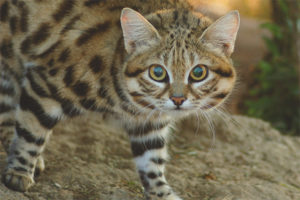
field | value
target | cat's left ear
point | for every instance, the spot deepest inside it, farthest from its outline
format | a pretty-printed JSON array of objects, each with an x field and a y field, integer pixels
[
  {"x": 222, "y": 33},
  {"x": 137, "y": 31}
]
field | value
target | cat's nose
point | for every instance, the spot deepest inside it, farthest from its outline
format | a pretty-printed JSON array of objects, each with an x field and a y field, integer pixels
[{"x": 178, "y": 101}]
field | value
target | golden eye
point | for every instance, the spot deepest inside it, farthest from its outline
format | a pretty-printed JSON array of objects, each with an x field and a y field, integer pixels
[
  {"x": 199, "y": 73},
  {"x": 158, "y": 73}
]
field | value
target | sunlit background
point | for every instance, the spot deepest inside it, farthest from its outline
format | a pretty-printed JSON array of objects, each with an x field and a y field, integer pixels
[{"x": 266, "y": 58}]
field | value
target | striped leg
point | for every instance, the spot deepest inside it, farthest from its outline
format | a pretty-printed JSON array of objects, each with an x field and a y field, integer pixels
[
  {"x": 150, "y": 153},
  {"x": 33, "y": 128},
  {"x": 9, "y": 94}
]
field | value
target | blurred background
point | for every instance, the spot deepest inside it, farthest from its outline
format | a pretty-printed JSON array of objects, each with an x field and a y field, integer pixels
[{"x": 266, "y": 58}]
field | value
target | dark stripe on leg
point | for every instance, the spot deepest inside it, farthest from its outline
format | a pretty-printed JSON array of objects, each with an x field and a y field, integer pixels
[
  {"x": 139, "y": 148},
  {"x": 22, "y": 160},
  {"x": 10, "y": 91},
  {"x": 29, "y": 103},
  {"x": 8, "y": 123},
  {"x": 158, "y": 161},
  {"x": 21, "y": 132},
  {"x": 144, "y": 129},
  {"x": 36, "y": 87},
  {"x": 5, "y": 108},
  {"x": 67, "y": 105}
]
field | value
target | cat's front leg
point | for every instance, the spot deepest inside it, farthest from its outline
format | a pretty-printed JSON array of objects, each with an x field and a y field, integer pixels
[
  {"x": 150, "y": 152},
  {"x": 33, "y": 128}
]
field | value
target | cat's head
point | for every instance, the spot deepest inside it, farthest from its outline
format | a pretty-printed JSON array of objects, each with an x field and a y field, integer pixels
[{"x": 179, "y": 61}]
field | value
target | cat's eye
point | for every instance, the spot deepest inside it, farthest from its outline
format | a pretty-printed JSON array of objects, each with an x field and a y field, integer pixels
[
  {"x": 158, "y": 73},
  {"x": 198, "y": 73}
]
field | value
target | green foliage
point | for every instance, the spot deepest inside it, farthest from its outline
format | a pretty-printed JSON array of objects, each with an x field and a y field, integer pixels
[{"x": 275, "y": 94}]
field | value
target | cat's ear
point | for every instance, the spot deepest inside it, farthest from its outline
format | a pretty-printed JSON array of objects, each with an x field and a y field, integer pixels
[
  {"x": 222, "y": 33},
  {"x": 137, "y": 31}
]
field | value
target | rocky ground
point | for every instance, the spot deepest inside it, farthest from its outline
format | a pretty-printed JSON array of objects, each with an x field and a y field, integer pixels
[{"x": 248, "y": 160}]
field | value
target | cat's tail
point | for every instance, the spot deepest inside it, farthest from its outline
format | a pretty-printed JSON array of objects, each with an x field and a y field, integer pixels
[{"x": 9, "y": 99}]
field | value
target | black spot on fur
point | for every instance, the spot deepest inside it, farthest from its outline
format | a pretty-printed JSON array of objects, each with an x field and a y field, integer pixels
[
  {"x": 6, "y": 49},
  {"x": 160, "y": 183},
  {"x": 160, "y": 194},
  {"x": 63, "y": 57},
  {"x": 32, "y": 153},
  {"x": 64, "y": 10},
  {"x": 175, "y": 15},
  {"x": 89, "y": 104},
  {"x": 13, "y": 24},
  {"x": 68, "y": 79},
  {"x": 41, "y": 34},
  {"x": 80, "y": 88},
  {"x": 158, "y": 161},
  {"x": 53, "y": 72},
  {"x": 152, "y": 175},
  {"x": 24, "y": 17},
  {"x": 50, "y": 62},
  {"x": 91, "y": 32},
  {"x": 25, "y": 45},
  {"x": 91, "y": 3},
  {"x": 4, "y": 11},
  {"x": 139, "y": 148},
  {"x": 96, "y": 64},
  {"x": 22, "y": 160}
]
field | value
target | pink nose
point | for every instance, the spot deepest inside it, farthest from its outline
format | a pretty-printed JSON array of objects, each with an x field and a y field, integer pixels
[{"x": 178, "y": 101}]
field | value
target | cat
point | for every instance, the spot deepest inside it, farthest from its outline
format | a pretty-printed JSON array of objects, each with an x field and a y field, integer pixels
[{"x": 144, "y": 63}]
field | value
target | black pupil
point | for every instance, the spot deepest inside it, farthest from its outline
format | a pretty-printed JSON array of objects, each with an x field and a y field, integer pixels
[
  {"x": 198, "y": 71},
  {"x": 158, "y": 71}
]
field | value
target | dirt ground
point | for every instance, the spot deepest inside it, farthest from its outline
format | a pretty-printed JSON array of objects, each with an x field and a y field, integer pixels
[{"x": 249, "y": 160}]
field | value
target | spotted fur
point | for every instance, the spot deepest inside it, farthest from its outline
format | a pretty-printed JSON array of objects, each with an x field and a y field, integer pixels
[{"x": 64, "y": 58}]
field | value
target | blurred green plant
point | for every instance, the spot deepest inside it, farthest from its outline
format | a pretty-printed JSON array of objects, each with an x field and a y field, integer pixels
[{"x": 275, "y": 93}]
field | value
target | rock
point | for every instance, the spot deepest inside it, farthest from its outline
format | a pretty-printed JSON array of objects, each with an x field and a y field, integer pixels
[{"x": 247, "y": 160}]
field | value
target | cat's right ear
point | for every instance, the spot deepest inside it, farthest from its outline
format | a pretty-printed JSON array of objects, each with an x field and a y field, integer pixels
[
  {"x": 137, "y": 31},
  {"x": 221, "y": 35}
]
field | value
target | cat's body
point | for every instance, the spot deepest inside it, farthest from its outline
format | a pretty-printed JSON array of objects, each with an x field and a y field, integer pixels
[{"x": 60, "y": 59}]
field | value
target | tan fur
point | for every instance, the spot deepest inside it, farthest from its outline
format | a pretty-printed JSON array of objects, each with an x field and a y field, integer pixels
[{"x": 65, "y": 58}]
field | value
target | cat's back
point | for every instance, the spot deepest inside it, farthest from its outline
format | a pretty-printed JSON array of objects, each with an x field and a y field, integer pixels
[{"x": 34, "y": 29}]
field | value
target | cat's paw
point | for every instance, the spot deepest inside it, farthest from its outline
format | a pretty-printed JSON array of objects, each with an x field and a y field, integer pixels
[
  {"x": 162, "y": 193},
  {"x": 169, "y": 197},
  {"x": 17, "y": 181}
]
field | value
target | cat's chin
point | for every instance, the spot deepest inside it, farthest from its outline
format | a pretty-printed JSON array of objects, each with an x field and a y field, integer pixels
[{"x": 178, "y": 113}]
